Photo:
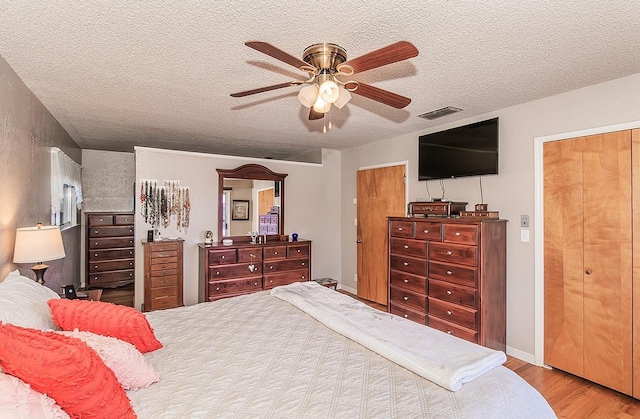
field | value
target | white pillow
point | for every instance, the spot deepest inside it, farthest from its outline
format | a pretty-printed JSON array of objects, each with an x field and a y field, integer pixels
[
  {"x": 129, "y": 365},
  {"x": 23, "y": 302},
  {"x": 19, "y": 400}
]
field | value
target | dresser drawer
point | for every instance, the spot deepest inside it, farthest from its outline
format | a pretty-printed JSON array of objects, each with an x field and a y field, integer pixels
[
  {"x": 164, "y": 281},
  {"x": 234, "y": 271},
  {"x": 250, "y": 254},
  {"x": 100, "y": 220},
  {"x": 113, "y": 231},
  {"x": 285, "y": 278},
  {"x": 217, "y": 257},
  {"x": 162, "y": 254},
  {"x": 409, "y": 264},
  {"x": 401, "y": 229},
  {"x": 101, "y": 243},
  {"x": 463, "y": 316},
  {"x": 164, "y": 247},
  {"x": 452, "y": 293},
  {"x": 123, "y": 219},
  {"x": 461, "y": 233},
  {"x": 164, "y": 292},
  {"x": 430, "y": 208},
  {"x": 285, "y": 265},
  {"x": 109, "y": 277},
  {"x": 416, "y": 316},
  {"x": 163, "y": 270},
  {"x": 453, "y": 329},
  {"x": 455, "y": 253},
  {"x": 428, "y": 231},
  {"x": 111, "y": 265},
  {"x": 459, "y": 274},
  {"x": 234, "y": 286},
  {"x": 162, "y": 303},
  {"x": 298, "y": 251},
  {"x": 408, "y": 281},
  {"x": 409, "y": 247},
  {"x": 410, "y": 299},
  {"x": 275, "y": 252},
  {"x": 111, "y": 254}
]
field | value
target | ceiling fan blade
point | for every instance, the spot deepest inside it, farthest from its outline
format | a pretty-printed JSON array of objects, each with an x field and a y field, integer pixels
[
  {"x": 382, "y": 96},
  {"x": 393, "y": 53},
  {"x": 266, "y": 88},
  {"x": 276, "y": 53},
  {"x": 313, "y": 115}
]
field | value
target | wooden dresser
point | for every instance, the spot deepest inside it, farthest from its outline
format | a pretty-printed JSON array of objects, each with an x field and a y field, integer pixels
[
  {"x": 110, "y": 251},
  {"x": 227, "y": 271},
  {"x": 163, "y": 277},
  {"x": 450, "y": 274}
]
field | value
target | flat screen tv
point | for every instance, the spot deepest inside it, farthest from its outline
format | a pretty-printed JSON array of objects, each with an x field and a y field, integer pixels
[{"x": 470, "y": 150}]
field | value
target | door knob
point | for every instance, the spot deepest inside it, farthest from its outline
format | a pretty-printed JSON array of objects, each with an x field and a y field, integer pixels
[
  {"x": 358, "y": 241},
  {"x": 588, "y": 272}
]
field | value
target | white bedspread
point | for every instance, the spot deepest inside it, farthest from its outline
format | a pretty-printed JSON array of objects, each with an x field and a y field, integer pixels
[
  {"x": 444, "y": 359},
  {"x": 256, "y": 356}
]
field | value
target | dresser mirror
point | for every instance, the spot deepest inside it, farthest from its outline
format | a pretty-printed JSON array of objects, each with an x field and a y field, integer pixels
[{"x": 250, "y": 199}]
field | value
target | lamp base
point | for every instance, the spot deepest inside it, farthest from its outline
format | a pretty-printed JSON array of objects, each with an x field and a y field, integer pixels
[{"x": 39, "y": 271}]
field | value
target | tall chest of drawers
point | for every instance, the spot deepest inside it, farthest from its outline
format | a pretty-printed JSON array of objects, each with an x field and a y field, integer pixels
[
  {"x": 110, "y": 251},
  {"x": 450, "y": 274},
  {"x": 227, "y": 271},
  {"x": 163, "y": 274}
]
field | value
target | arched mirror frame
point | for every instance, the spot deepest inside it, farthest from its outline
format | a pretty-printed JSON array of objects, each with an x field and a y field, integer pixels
[{"x": 252, "y": 172}]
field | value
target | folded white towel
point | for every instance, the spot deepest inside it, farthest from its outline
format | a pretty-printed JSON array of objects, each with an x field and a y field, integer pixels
[{"x": 444, "y": 359}]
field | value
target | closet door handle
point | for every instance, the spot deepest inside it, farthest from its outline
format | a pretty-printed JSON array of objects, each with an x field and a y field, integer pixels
[{"x": 588, "y": 272}]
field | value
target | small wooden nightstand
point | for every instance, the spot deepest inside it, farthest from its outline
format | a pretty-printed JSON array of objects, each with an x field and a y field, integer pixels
[{"x": 328, "y": 282}]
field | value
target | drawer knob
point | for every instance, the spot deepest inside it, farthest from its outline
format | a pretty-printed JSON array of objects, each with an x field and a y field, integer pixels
[
  {"x": 449, "y": 312},
  {"x": 449, "y": 272},
  {"x": 271, "y": 267},
  {"x": 130, "y": 263},
  {"x": 130, "y": 253},
  {"x": 448, "y": 252},
  {"x": 252, "y": 255},
  {"x": 218, "y": 273},
  {"x": 405, "y": 298},
  {"x": 449, "y": 332},
  {"x": 448, "y": 292},
  {"x": 95, "y": 278},
  {"x": 302, "y": 276},
  {"x": 588, "y": 272},
  {"x": 95, "y": 266},
  {"x": 399, "y": 228},
  {"x": 96, "y": 255},
  {"x": 405, "y": 263},
  {"x": 130, "y": 274},
  {"x": 217, "y": 288},
  {"x": 457, "y": 233},
  {"x": 255, "y": 283},
  {"x": 406, "y": 316},
  {"x": 426, "y": 231},
  {"x": 406, "y": 281},
  {"x": 271, "y": 281},
  {"x": 96, "y": 231},
  {"x": 302, "y": 263},
  {"x": 299, "y": 250},
  {"x": 406, "y": 246},
  {"x": 275, "y": 253},
  {"x": 101, "y": 220},
  {"x": 130, "y": 230},
  {"x": 222, "y": 257}
]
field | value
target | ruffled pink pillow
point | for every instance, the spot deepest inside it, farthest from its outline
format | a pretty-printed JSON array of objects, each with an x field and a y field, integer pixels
[
  {"x": 19, "y": 400},
  {"x": 107, "y": 319},
  {"x": 130, "y": 366}
]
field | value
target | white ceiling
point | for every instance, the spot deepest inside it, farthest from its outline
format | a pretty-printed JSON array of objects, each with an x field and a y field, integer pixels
[{"x": 158, "y": 73}]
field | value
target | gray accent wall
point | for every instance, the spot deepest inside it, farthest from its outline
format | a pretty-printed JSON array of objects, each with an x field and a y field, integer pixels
[{"x": 27, "y": 133}]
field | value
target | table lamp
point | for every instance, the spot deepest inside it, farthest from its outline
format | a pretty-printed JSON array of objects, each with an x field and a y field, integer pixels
[{"x": 36, "y": 245}]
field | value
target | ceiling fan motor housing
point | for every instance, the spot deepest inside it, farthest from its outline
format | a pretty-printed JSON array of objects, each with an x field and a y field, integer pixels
[{"x": 325, "y": 56}]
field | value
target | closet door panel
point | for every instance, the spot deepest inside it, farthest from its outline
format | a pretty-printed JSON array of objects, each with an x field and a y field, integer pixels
[
  {"x": 635, "y": 176},
  {"x": 608, "y": 260},
  {"x": 563, "y": 256}
]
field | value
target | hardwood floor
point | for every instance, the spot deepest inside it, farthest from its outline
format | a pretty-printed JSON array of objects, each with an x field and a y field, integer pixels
[{"x": 569, "y": 396}]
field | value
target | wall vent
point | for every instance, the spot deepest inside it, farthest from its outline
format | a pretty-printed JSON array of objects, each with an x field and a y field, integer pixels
[{"x": 439, "y": 113}]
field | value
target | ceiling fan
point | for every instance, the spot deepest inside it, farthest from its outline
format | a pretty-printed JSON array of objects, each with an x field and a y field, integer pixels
[{"x": 326, "y": 63}]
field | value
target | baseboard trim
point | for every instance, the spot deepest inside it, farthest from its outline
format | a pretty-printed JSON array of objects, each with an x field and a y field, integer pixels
[
  {"x": 521, "y": 355},
  {"x": 348, "y": 289}
]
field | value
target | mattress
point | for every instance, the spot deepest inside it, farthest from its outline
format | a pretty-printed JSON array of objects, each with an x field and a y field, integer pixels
[{"x": 257, "y": 356}]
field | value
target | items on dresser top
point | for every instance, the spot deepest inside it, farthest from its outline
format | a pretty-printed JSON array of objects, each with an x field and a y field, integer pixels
[
  {"x": 436, "y": 208},
  {"x": 110, "y": 249},
  {"x": 450, "y": 274},
  {"x": 163, "y": 274},
  {"x": 243, "y": 268}
]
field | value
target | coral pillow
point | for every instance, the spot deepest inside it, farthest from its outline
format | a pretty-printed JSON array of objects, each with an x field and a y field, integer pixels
[
  {"x": 130, "y": 366},
  {"x": 107, "y": 319},
  {"x": 19, "y": 400},
  {"x": 65, "y": 369}
]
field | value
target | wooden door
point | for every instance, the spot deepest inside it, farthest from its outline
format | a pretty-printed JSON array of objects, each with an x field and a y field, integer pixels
[
  {"x": 588, "y": 258},
  {"x": 635, "y": 173},
  {"x": 266, "y": 198},
  {"x": 380, "y": 194}
]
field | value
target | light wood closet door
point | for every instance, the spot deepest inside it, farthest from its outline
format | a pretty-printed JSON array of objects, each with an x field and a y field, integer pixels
[
  {"x": 635, "y": 164},
  {"x": 588, "y": 258}
]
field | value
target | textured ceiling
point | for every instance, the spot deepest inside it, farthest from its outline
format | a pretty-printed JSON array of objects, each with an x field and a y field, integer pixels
[{"x": 159, "y": 73}]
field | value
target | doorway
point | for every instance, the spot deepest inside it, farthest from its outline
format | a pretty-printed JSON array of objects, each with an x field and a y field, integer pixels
[{"x": 381, "y": 193}]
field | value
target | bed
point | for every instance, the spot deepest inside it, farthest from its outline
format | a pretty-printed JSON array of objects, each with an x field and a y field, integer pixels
[{"x": 260, "y": 356}]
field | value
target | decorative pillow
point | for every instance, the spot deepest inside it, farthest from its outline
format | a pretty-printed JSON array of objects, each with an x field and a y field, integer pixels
[
  {"x": 130, "y": 366},
  {"x": 107, "y": 319},
  {"x": 65, "y": 369},
  {"x": 19, "y": 400},
  {"x": 23, "y": 302}
]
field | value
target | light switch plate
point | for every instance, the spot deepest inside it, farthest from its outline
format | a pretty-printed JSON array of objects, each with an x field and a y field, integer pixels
[{"x": 524, "y": 236}]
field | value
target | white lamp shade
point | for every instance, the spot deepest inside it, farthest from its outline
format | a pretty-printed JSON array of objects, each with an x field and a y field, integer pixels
[
  {"x": 329, "y": 91},
  {"x": 35, "y": 245},
  {"x": 321, "y": 106},
  {"x": 308, "y": 95},
  {"x": 345, "y": 96}
]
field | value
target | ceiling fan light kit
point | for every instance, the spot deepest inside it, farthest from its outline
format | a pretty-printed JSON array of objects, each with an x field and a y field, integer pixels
[{"x": 325, "y": 62}]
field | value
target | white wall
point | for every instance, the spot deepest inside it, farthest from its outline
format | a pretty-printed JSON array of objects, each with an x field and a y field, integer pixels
[
  {"x": 312, "y": 206},
  {"x": 511, "y": 192}
]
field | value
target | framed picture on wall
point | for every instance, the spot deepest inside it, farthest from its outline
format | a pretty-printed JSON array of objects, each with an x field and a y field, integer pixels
[{"x": 240, "y": 209}]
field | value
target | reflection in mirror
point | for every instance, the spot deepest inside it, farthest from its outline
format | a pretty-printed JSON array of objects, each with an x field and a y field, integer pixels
[{"x": 251, "y": 200}]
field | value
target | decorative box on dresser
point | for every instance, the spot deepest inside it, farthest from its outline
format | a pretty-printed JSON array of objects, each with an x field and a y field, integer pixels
[
  {"x": 243, "y": 268},
  {"x": 450, "y": 274},
  {"x": 163, "y": 277},
  {"x": 110, "y": 250}
]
